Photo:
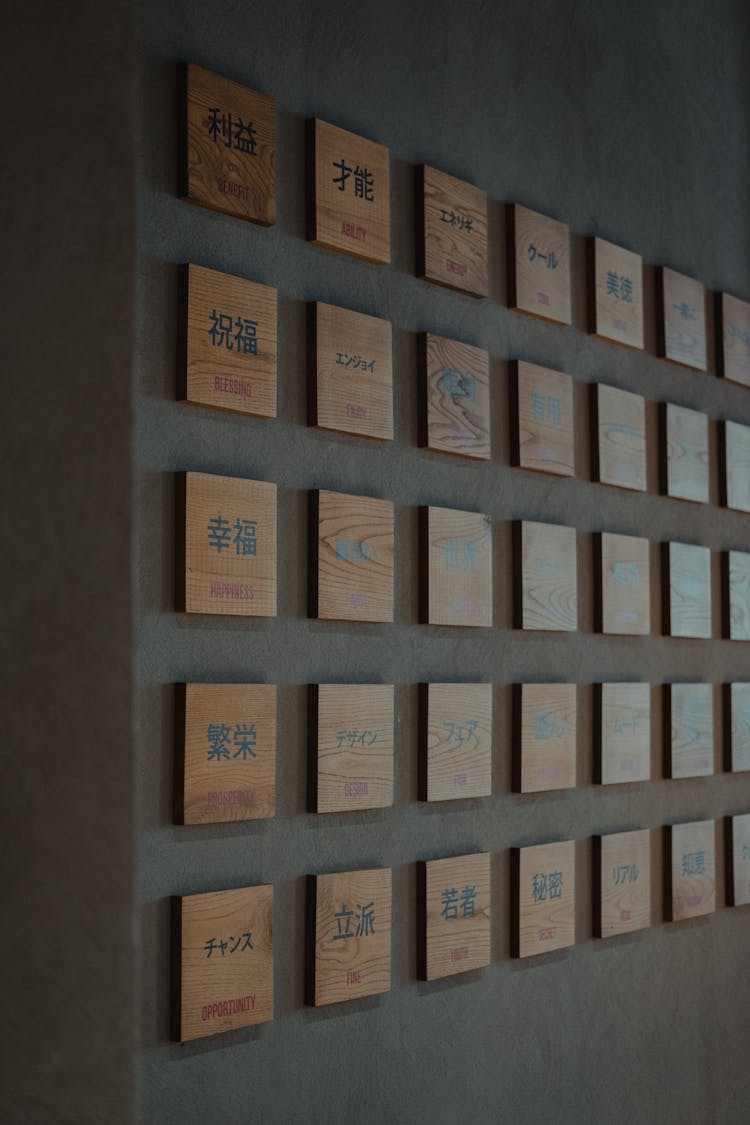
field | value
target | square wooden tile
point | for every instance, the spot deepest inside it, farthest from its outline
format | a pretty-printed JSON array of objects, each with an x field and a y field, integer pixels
[
  {"x": 547, "y": 738},
  {"x": 352, "y": 198},
  {"x": 456, "y": 915},
  {"x": 624, "y": 892},
  {"x": 229, "y": 546},
  {"x": 689, "y": 595},
  {"x": 224, "y": 951},
  {"x": 737, "y": 454},
  {"x": 686, "y": 451},
  {"x": 459, "y": 741},
  {"x": 353, "y": 373},
  {"x": 228, "y": 161},
  {"x": 625, "y": 740},
  {"x": 452, "y": 241},
  {"x": 740, "y": 859},
  {"x": 547, "y": 578},
  {"x": 229, "y": 756},
  {"x": 618, "y": 294},
  {"x": 540, "y": 274},
  {"x": 692, "y": 858},
  {"x": 544, "y": 879},
  {"x": 690, "y": 708},
  {"x": 625, "y": 585},
  {"x": 739, "y": 725},
  {"x": 542, "y": 417},
  {"x": 620, "y": 429},
  {"x": 354, "y": 748},
  {"x": 738, "y": 595},
  {"x": 683, "y": 329},
  {"x": 456, "y": 398},
  {"x": 354, "y": 557},
  {"x": 735, "y": 321},
  {"x": 351, "y": 935},
  {"x": 230, "y": 344},
  {"x": 459, "y": 567}
]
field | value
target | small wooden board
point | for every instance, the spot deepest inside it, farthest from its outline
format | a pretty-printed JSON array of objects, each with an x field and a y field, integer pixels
[
  {"x": 229, "y": 539},
  {"x": 456, "y": 398},
  {"x": 224, "y": 954},
  {"x": 452, "y": 241},
  {"x": 354, "y": 747},
  {"x": 739, "y": 725},
  {"x": 353, "y": 373},
  {"x": 352, "y": 193},
  {"x": 737, "y": 466},
  {"x": 540, "y": 265},
  {"x": 691, "y": 856},
  {"x": 625, "y": 587},
  {"x": 735, "y": 321},
  {"x": 547, "y": 577},
  {"x": 459, "y": 567},
  {"x": 690, "y": 712},
  {"x": 738, "y": 594},
  {"x": 458, "y": 754},
  {"x": 544, "y": 893},
  {"x": 455, "y": 904},
  {"x": 542, "y": 416},
  {"x": 624, "y": 891},
  {"x": 689, "y": 596},
  {"x": 625, "y": 737},
  {"x": 354, "y": 557},
  {"x": 683, "y": 327},
  {"x": 547, "y": 737},
  {"x": 740, "y": 859},
  {"x": 618, "y": 294},
  {"x": 351, "y": 935},
  {"x": 228, "y": 160},
  {"x": 229, "y": 756},
  {"x": 620, "y": 428},
  {"x": 685, "y": 448},
  {"x": 230, "y": 344}
]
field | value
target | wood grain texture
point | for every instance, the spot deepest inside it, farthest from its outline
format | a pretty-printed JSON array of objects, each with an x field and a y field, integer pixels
[
  {"x": 352, "y": 201},
  {"x": 620, "y": 427},
  {"x": 545, "y": 895},
  {"x": 625, "y": 585},
  {"x": 738, "y": 594},
  {"x": 459, "y": 568},
  {"x": 689, "y": 594},
  {"x": 739, "y": 726},
  {"x": 459, "y": 741},
  {"x": 355, "y": 557},
  {"x": 453, "y": 247},
  {"x": 547, "y": 577},
  {"x": 687, "y": 453},
  {"x": 690, "y": 708},
  {"x": 456, "y": 398},
  {"x": 230, "y": 161},
  {"x": 624, "y": 882},
  {"x": 735, "y": 320},
  {"x": 740, "y": 859},
  {"x": 457, "y": 915},
  {"x": 683, "y": 327},
  {"x": 544, "y": 420},
  {"x": 737, "y": 466},
  {"x": 692, "y": 857},
  {"x": 353, "y": 373},
  {"x": 540, "y": 277},
  {"x": 225, "y": 961},
  {"x": 625, "y": 739},
  {"x": 618, "y": 294},
  {"x": 354, "y": 747},
  {"x": 547, "y": 738},
  {"x": 351, "y": 935}
]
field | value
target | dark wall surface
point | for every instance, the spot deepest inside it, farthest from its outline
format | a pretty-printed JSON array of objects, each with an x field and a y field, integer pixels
[{"x": 629, "y": 121}]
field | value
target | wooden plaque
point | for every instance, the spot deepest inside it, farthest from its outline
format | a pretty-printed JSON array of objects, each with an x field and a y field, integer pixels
[
  {"x": 689, "y": 600},
  {"x": 625, "y": 740},
  {"x": 459, "y": 567},
  {"x": 739, "y": 725},
  {"x": 625, "y": 589},
  {"x": 355, "y": 558},
  {"x": 683, "y": 327},
  {"x": 686, "y": 451},
  {"x": 548, "y": 594},
  {"x": 352, "y": 197},
  {"x": 453, "y": 246},
  {"x": 457, "y": 398},
  {"x": 618, "y": 294},
  {"x": 692, "y": 886},
  {"x": 229, "y": 759},
  {"x": 544, "y": 880},
  {"x": 740, "y": 857},
  {"x": 352, "y": 935},
  {"x": 547, "y": 750},
  {"x": 540, "y": 267},
  {"x": 229, "y": 155},
  {"x": 543, "y": 420},
  {"x": 735, "y": 321},
  {"x": 353, "y": 373},
  {"x": 737, "y": 454},
  {"x": 354, "y": 752},
  {"x": 620, "y": 427},
  {"x": 459, "y": 741},
  {"x": 738, "y": 594},
  {"x": 230, "y": 346},
  {"x": 456, "y": 915},
  {"x": 224, "y": 951},
  {"x": 624, "y": 891},
  {"x": 229, "y": 546},
  {"x": 690, "y": 708}
]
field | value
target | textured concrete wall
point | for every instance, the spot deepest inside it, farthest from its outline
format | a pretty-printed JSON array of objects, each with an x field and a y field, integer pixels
[{"x": 626, "y": 120}]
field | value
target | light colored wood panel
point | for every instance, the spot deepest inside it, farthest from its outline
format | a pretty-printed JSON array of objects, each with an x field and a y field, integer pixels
[
  {"x": 352, "y": 935},
  {"x": 546, "y": 897},
  {"x": 693, "y": 860},
  {"x": 626, "y": 603},
  {"x": 459, "y": 741},
  {"x": 735, "y": 317},
  {"x": 684, "y": 325},
  {"x": 545, "y": 422},
  {"x": 548, "y": 737},
  {"x": 737, "y": 452},
  {"x": 542, "y": 265},
  {"x": 457, "y": 387},
  {"x": 686, "y": 453},
  {"x": 618, "y": 294},
  {"x": 738, "y": 574},
  {"x": 740, "y": 828},
  {"x": 457, "y": 915},
  {"x": 459, "y": 560},
  {"x": 621, "y": 436},
  {"x": 739, "y": 725},
  {"x": 454, "y": 233},
  {"x": 352, "y": 194},
  {"x": 354, "y": 372},
  {"x": 355, "y": 557},
  {"x": 625, "y": 733},
  {"x": 625, "y": 887},
  {"x": 548, "y": 577},
  {"x": 692, "y": 730},
  {"x": 354, "y": 747},
  {"x": 689, "y": 590}
]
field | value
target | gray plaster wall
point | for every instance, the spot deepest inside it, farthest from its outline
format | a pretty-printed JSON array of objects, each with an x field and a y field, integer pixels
[{"x": 628, "y": 121}]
